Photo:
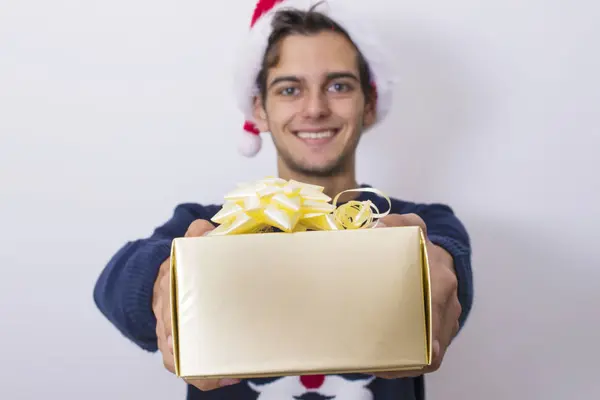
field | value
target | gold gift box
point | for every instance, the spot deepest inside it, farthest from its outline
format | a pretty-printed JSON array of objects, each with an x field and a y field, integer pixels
[{"x": 316, "y": 302}]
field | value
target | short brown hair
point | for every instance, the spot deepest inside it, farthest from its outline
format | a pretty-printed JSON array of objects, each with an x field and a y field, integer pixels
[{"x": 289, "y": 22}]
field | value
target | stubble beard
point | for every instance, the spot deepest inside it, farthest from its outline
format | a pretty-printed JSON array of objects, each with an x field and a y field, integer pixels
[{"x": 335, "y": 167}]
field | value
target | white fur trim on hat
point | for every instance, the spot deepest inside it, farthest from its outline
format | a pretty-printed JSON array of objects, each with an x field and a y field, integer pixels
[
  {"x": 361, "y": 33},
  {"x": 250, "y": 144}
]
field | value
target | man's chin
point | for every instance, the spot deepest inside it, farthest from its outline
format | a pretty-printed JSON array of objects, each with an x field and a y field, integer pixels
[
  {"x": 317, "y": 168},
  {"x": 322, "y": 164}
]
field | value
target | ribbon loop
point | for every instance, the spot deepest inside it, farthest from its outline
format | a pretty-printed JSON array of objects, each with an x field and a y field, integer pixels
[{"x": 292, "y": 206}]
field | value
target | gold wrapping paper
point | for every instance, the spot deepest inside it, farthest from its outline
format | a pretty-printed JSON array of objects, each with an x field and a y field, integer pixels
[{"x": 336, "y": 300}]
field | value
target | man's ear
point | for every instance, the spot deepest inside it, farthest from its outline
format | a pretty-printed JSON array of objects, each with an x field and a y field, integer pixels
[
  {"x": 370, "y": 113},
  {"x": 260, "y": 115}
]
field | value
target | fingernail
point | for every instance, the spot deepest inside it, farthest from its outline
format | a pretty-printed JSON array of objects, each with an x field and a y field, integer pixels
[
  {"x": 170, "y": 342},
  {"x": 436, "y": 347},
  {"x": 228, "y": 382}
]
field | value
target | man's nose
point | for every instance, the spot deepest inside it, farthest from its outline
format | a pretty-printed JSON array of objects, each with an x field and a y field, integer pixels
[{"x": 316, "y": 105}]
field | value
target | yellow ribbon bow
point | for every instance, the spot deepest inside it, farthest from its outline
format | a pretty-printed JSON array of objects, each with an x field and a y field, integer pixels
[{"x": 292, "y": 206}]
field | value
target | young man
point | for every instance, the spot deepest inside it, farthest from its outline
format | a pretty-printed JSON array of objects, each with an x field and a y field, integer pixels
[{"x": 316, "y": 95}]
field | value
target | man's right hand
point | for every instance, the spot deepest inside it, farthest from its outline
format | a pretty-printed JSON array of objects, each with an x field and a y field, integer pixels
[{"x": 161, "y": 306}]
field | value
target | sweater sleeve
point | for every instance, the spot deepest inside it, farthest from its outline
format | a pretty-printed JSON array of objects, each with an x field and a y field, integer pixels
[
  {"x": 123, "y": 291},
  {"x": 446, "y": 230}
]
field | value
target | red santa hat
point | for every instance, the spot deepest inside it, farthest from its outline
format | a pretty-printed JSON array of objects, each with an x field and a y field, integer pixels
[{"x": 255, "y": 45}]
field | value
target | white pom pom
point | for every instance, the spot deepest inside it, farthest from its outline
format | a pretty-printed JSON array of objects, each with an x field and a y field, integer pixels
[{"x": 250, "y": 144}]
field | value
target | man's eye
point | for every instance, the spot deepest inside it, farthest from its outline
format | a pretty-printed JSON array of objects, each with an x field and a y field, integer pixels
[
  {"x": 289, "y": 91},
  {"x": 340, "y": 87}
]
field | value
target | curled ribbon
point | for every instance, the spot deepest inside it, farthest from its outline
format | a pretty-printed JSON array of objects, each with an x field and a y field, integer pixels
[{"x": 292, "y": 206}]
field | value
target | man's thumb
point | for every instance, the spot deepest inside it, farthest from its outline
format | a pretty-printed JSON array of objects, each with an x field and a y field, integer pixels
[{"x": 199, "y": 227}]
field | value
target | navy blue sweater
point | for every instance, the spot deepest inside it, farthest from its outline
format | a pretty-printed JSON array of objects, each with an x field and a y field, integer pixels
[{"x": 123, "y": 293}]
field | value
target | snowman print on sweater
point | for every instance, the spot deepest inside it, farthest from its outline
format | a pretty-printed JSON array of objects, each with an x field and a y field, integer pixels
[{"x": 314, "y": 387}]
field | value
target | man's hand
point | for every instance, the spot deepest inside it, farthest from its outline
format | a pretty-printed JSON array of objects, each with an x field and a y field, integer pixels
[
  {"x": 446, "y": 308},
  {"x": 162, "y": 310}
]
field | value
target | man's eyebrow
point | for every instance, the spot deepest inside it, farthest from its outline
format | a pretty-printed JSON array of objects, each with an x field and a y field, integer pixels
[
  {"x": 330, "y": 76},
  {"x": 289, "y": 78},
  {"x": 337, "y": 75}
]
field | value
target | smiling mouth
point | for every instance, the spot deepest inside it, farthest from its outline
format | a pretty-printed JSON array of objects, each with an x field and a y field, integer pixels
[{"x": 311, "y": 136}]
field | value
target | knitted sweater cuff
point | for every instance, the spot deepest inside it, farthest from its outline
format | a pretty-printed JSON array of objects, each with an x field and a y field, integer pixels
[
  {"x": 462, "y": 265},
  {"x": 141, "y": 272}
]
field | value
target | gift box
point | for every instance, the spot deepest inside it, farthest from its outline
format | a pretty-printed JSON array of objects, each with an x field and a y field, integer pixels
[{"x": 291, "y": 284}]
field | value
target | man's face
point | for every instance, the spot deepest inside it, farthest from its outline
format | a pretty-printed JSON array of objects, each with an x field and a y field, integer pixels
[{"x": 314, "y": 107}]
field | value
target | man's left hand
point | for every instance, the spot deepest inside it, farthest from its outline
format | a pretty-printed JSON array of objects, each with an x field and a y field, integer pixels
[{"x": 446, "y": 308}]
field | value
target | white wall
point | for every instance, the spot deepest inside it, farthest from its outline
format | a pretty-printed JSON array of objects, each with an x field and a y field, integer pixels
[{"x": 112, "y": 112}]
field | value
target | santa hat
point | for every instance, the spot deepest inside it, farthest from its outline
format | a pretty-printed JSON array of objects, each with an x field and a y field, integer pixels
[{"x": 255, "y": 45}]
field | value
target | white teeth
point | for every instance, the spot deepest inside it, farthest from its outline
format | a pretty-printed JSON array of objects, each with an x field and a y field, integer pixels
[{"x": 315, "y": 135}]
